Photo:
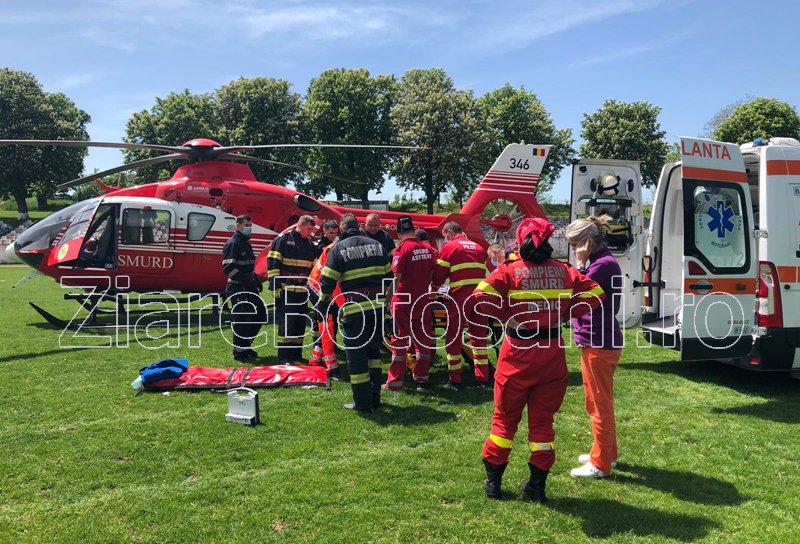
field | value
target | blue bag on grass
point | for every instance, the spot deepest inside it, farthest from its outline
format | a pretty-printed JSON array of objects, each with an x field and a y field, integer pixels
[{"x": 164, "y": 369}]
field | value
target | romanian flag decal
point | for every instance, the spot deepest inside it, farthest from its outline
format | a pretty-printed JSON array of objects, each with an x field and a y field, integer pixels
[{"x": 538, "y": 152}]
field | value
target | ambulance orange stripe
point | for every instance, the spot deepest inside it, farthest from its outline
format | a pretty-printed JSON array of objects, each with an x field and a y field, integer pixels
[
  {"x": 787, "y": 274},
  {"x": 721, "y": 286},
  {"x": 712, "y": 174},
  {"x": 783, "y": 168}
]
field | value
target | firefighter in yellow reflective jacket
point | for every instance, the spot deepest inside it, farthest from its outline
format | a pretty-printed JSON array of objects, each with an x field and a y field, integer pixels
[
  {"x": 360, "y": 265},
  {"x": 289, "y": 263}
]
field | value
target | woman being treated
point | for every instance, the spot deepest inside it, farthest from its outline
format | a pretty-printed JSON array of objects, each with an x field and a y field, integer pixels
[
  {"x": 600, "y": 338},
  {"x": 531, "y": 295}
]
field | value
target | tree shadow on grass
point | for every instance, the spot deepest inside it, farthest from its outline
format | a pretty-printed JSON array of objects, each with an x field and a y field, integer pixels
[
  {"x": 685, "y": 486},
  {"x": 782, "y": 391},
  {"x": 604, "y": 518}
]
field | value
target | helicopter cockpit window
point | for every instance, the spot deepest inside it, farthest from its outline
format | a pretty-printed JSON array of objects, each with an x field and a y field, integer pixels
[
  {"x": 78, "y": 224},
  {"x": 145, "y": 226},
  {"x": 199, "y": 225}
]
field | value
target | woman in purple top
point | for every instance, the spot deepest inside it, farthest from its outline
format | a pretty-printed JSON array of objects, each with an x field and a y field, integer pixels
[{"x": 600, "y": 338}]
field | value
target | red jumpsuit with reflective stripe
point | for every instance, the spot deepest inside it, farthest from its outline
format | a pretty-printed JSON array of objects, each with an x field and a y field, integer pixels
[
  {"x": 532, "y": 372},
  {"x": 325, "y": 348},
  {"x": 463, "y": 263},
  {"x": 412, "y": 265}
]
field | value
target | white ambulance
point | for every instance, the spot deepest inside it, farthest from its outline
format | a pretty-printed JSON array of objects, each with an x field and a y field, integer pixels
[{"x": 720, "y": 274}]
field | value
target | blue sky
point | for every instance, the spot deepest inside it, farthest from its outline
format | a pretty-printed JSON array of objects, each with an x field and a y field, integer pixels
[{"x": 689, "y": 57}]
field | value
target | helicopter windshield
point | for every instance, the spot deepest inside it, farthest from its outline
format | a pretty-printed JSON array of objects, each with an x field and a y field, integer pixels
[{"x": 41, "y": 234}]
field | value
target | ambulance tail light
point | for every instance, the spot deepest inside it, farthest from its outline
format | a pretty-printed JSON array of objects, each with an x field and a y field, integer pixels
[{"x": 768, "y": 295}]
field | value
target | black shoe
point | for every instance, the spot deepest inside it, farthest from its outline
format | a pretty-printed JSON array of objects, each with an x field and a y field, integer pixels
[
  {"x": 420, "y": 386},
  {"x": 336, "y": 375},
  {"x": 533, "y": 489},
  {"x": 494, "y": 477},
  {"x": 452, "y": 386},
  {"x": 243, "y": 356},
  {"x": 482, "y": 385},
  {"x": 352, "y": 406},
  {"x": 251, "y": 352}
]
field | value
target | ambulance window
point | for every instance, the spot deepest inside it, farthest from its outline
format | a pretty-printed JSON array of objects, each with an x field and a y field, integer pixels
[
  {"x": 145, "y": 226},
  {"x": 716, "y": 228},
  {"x": 199, "y": 225}
]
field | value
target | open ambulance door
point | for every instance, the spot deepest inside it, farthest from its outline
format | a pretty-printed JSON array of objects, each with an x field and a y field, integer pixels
[
  {"x": 611, "y": 187},
  {"x": 714, "y": 315},
  {"x": 89, "y": 240}
]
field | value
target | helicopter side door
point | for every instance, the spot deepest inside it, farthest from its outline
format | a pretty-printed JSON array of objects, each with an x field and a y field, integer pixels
[
  {"x": 146, "y": 238},
  {"x": 89, "y": 240}
]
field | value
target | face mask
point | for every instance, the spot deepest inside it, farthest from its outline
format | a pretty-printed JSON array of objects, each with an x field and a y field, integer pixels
[
  {"x": 247, "y": 231},
  {"x": 495, "y": 263}
]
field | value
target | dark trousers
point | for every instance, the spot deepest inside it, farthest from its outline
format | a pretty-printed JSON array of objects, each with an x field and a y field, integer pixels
[
  {"x": 362, "y": 339},
  {"x": 291, "y": 316},
  {"x": 248, "y": 313}
]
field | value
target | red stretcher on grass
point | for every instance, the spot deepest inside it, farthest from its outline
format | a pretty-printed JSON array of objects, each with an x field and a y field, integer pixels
[{"x": 206, "y": 378}]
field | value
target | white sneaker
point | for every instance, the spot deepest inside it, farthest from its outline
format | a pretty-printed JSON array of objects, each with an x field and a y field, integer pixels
[
  {"x": 587, "y": 457},
  {"x": 587, "y": 471}
]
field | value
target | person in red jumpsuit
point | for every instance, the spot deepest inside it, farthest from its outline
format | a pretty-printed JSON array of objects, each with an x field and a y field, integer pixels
[
  {"x": 532, "y": 295},
  {"x": 412, "y": 264},
  {"x": 463, "y": 263}
]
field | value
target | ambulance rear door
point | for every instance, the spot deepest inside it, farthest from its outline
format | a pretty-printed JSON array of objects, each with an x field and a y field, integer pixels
[
  {"x": 614, "y": 188},
  {"x": 719, "y": 265}
]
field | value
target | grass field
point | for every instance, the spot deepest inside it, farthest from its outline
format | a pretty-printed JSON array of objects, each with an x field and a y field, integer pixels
[{"x": 708, "y": 453}]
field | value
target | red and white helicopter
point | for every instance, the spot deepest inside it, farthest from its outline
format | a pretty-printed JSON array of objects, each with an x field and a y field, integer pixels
[{"x": 168, "y": 235}]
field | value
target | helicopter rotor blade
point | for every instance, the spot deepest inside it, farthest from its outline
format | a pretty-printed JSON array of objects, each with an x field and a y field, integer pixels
[
  {"x": 235, "y": 149},
  {"x": 82, "y": 143},
  {"x": 288, "y": 165},
  {"x": 121, "y": 168}
]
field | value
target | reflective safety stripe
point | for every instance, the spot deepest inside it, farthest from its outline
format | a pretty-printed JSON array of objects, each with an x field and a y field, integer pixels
[
  {"x": 464, "y": 266},
  {"x": 539, "y": 294},
  {"x": 298, "y": 262},
  {"x": 362, "y": 306},
  {"x": 295, "y": 288},
  {"x": 275, "y": 255},
  {"x": 363, "y": 273},
  {"x": 472, "y": 281},
  {"x": 240, "y": 262},
  {"x": 374, "y": 363},
  {"x": 455, "y": 366},
  {"x": 418, "y": 378},
  {"x": 273, "y": 273},
  {"x": 424, "y": 357},
  {"x": 453, "y": 357},
  {"x": 290, "y": 341},
  {"x": 356, "y": 379},
  {"x": 481, "y": 362},
  {"x": 398, "y": 358},
  {"x": 543, "y": 446},
  {"x": 331, "y": 273},
  {"x": 486, "y": 288},
  {"x": 330, "y": 357},
  {"x": 500, "y": 441},
  {"x": 596, "y": 292},
  {"x": 445, "y": 264}
]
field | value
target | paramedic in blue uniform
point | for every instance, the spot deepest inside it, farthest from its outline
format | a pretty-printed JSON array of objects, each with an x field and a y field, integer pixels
[
  {"x": 248, "y": 312},
  {"x": 289, "y": 263},
  {"x": 361, "y": 265}
]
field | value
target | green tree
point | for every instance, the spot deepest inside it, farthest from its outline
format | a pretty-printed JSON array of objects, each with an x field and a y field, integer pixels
[
  {"x": 262, "y": 111},
  {"x": 173, "y": 120},
  {"x": 759, "y": 118},
  {"x": 28, "y": 113},
  {"x": 514, "y": 115},
  {"x": 626, "y": 131},
  {"x": 721, "y": 116},
  {"x": 67, "y": 122},
  {"x": 347, "y": 106},
  {"x": 431, "y": 112}
]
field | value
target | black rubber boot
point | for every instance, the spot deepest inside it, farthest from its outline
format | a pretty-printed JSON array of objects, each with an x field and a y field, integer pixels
[
  {"x": 494, "y": 477},
  {"x": 534, "y": 488}
]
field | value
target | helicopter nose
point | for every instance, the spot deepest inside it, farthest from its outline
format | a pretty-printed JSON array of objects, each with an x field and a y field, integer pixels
[{"x": 11, "y": 254}]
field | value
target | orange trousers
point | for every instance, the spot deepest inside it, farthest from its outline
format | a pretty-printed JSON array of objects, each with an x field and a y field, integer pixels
[{"x": 597, "y": 369}]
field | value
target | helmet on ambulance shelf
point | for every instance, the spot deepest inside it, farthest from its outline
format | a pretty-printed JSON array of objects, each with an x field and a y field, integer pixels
[{"x": 608, "y": 184}]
